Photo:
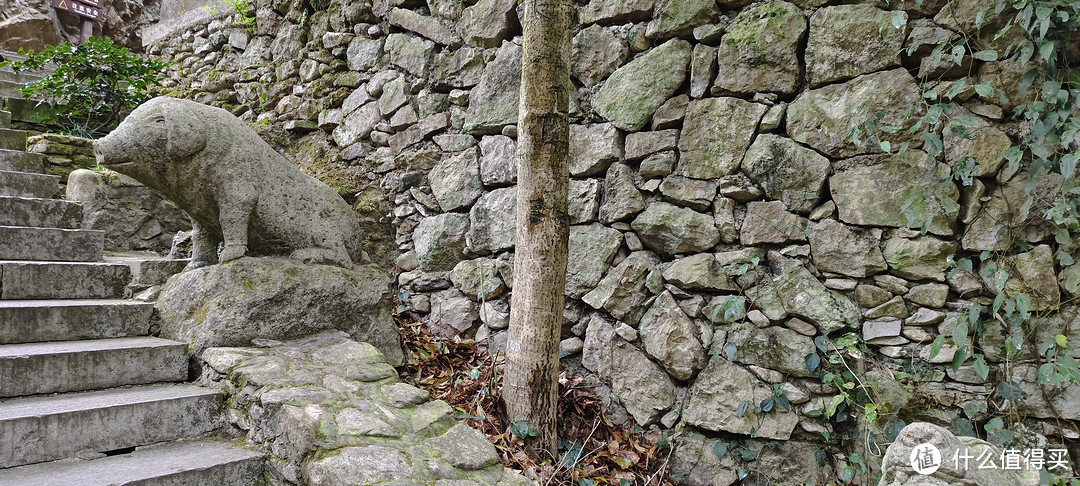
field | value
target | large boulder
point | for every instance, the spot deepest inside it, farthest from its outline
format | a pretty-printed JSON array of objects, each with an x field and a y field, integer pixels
[
  {"x": 759, "y": 52},
  {"x": 622, "y": 291},
  {"x": 633, "y": 92},
  {"x": 796, "y": 291},
  {"x": 668, "y": 229},
  {"x": 844, "y": 249},
  {"x": 921, "y": 439},
  {"x": 849, "y": 40},
  {"x": 1002, "y": 222},
  {"x": 787, "y": 171},
  {"x": 822, "y": 118},
  {"x": 596, "y": 52},
  {"x": 455, "y": 180},
  {"x": 493, "y": 103},
  {"x": 591, "y": 248},
  {"x": 439, "y": 241},
  {"x": 231, "y": 304},
  {"x": 1030, "y": 273},
  {"x": 715, "y": 397},
  {"x": 774, "y": 347},
  {"x": 716, "y": 133},
  {"x": 493, "y": 221},
  {"x": 672, "y": 338},
  {"x": 902, "y": 191}
]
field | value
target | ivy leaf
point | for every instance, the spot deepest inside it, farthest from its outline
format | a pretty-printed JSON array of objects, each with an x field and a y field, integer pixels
[
  {"x": 813, "y": 361},
  {"x": 740, "y": 411},
  {"x": 935, "y": 347},
  {"x": 958, "y": 54},
  {"x": 847, "y": 474},
  {"x": 984, "y": 90},
  {"x": 1061, "y": 340},
  {"x": 783, "y": 402},
  {"x": 885, "y": 146},
  {"x": 1009, "y": 390},
  {"x": 729, "y": 351},
  {"x": 959, "y": 358},
  {"x": 819, "y": 341},
  {"x": 899, "y": 18},
  {"x": 960, "y": 332},
  {"x": 987, "y": 55},
  {"x": 981, "y": 368},
  {"x": 933, "y": 143},
  {"x": 720, "y": 448},
  {"x": 767, "y": 404},
  {"x": 520, "y": 429},
  {"x": 830, "y": 410}
]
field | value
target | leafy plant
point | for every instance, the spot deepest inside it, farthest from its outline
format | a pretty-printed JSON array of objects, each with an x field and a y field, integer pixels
[
  {"x": 92, "y": 85},
  {"x": 245, "y": 14}
]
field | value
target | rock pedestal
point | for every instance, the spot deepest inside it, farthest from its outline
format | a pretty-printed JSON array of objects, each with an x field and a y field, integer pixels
[{"x": 231, "y": 304}]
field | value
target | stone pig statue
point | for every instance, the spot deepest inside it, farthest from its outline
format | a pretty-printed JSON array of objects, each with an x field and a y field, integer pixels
[{"x": 235, "y": 187}]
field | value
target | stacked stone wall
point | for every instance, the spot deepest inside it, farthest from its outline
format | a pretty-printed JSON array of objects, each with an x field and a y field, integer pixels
[{"x": 725, "y": 226}]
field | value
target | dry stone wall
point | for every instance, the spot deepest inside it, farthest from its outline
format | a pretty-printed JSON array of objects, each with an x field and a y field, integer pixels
[{"x": 724, "y": 226}]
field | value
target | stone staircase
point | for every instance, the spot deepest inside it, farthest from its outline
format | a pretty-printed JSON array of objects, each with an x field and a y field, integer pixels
[
  {"x": 86, "y": 396},
  {"x": 11, "y": 99}
]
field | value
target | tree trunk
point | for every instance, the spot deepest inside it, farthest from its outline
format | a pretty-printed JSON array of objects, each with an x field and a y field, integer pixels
[{"x": 532, "y": 364}]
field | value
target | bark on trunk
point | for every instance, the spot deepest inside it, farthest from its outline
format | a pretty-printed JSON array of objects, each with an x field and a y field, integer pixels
[{"x": 532, "y": 369}]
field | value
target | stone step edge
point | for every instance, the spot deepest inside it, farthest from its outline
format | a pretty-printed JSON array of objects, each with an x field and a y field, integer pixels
[{"x": 158, "y": 461}]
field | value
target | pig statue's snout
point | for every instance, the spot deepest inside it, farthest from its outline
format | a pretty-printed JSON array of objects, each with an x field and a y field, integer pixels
[{"x": 106, "y": 152}]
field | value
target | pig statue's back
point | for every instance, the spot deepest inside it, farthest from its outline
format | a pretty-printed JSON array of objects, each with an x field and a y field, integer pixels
[{"x": 236, "y": 188}]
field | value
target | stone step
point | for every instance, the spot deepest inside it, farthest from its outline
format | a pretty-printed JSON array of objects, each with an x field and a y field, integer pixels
[
  {"x": 28, "y": 184},
  {"x": 5, "y": 119},
  {"x": 28, "y": 321},
  {"x": 51, "y": 244},
  {"x": 21, "y": 110},
  {"x": 47, "y": 428},
  {"x": 10, "y": 88},
  {"x": 40, "y": 213},
  {"x": 148, "y": 268},
  {"x": 67, "y": 366},
  {"x": 20, "y": 161},
  {"x": 12, "y": 139},
  {"x": 181, "y": 463},
  {"x": 62, "y": 280}
]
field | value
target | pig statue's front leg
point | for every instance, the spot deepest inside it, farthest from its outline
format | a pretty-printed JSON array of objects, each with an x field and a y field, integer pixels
[
  {"x": 235, "y": 214},
  {"x": 203, "y": 247}
]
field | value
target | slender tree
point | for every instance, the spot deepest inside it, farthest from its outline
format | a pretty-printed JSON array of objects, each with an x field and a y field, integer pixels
[{"x": 532, "y": 369}]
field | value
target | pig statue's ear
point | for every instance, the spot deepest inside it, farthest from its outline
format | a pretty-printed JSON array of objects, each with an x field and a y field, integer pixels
[{"x": 185, "y": 133}]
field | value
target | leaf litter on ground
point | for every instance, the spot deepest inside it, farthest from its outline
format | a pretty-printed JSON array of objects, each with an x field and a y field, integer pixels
[{"x": 593, "y": 450}]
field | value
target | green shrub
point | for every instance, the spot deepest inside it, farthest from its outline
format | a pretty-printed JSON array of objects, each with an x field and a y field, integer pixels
[{"x": 92, "y": 86}]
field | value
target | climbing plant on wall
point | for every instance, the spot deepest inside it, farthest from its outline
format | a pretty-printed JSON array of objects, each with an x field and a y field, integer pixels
[{"x": 1021, "y": 56}]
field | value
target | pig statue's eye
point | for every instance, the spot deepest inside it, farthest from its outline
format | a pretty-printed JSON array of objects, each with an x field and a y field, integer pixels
[{"x": 159, "y": 120}]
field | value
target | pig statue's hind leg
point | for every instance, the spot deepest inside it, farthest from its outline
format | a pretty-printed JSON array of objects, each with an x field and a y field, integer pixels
[
  {"x": 234, "y": 216},
  {"x": 203, "y": 247}
]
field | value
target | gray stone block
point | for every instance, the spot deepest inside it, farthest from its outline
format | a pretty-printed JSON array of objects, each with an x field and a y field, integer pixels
[
  {"x": 62, "y": 280},
  {"x": 19, "y": 161},
  {"x": 171, "y": 464},
  {"x": 27, "y": 321},
  {"x": 5, "y": 119},
  {"x": 12, "y": 139},
  {"x": 64, "y": 366},
  {"x": 51, "y": 244},
  {"x": 47, "y": 428},
  {"x": 27, "y": 184},
  {"x": 42, "y": 213}
]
